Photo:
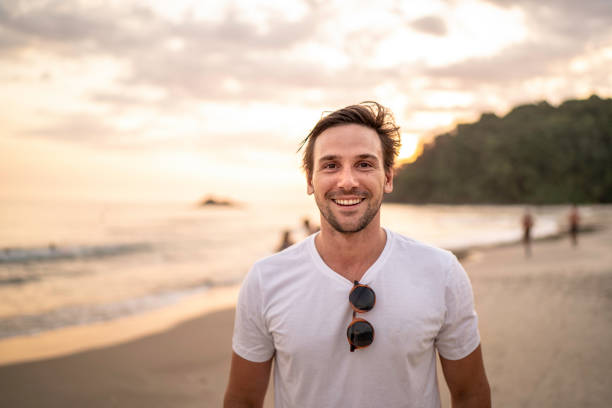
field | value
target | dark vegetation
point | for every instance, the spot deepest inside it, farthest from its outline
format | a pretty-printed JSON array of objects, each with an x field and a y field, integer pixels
[{"x": 535, "y": 154}]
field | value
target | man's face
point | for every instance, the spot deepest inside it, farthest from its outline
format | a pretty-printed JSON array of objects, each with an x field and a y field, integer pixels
[{"x": 348, "y": 177}]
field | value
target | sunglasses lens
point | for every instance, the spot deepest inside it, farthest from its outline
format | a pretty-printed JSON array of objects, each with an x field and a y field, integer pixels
[
  {"x": 360, "y": 333},
  {"x": 362, "y": 298}
]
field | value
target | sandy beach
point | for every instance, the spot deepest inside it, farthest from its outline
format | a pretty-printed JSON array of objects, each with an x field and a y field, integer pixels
[{"x": 545, "y": 322}]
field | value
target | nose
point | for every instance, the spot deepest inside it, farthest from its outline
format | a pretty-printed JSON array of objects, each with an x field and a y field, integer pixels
[{"x": 347, "y": 180}]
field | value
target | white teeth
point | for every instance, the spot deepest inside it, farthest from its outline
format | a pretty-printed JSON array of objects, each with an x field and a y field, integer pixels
[{"x": 348, "y": 202}]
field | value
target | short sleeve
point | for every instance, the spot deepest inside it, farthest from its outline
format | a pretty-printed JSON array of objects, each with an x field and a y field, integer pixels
[
  {"x": 252, "y": 340},
  {"x": 459, "y": 335}
]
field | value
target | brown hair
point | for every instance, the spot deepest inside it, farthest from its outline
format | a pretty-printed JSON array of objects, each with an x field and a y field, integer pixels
[{"x": 369, "y": 114}]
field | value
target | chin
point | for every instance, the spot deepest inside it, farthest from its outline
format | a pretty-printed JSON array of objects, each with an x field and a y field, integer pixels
[{"x": 349, "y": 227}]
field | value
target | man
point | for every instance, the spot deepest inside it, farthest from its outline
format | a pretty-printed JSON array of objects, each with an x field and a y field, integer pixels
[
  {"x": 574, "y": 221},
  {"x": 527, "y": 223},
  {"x": 355, "y": 286}
]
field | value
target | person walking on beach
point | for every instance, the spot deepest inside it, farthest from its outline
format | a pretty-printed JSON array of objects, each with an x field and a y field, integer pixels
[
  {"x": 309, "y": 228},
  {"x": 527, "y": 222},
  {"x": 353, "y": 315},
  {"x": 574, "y": 221},
  {"x": 286, "y": 240}
]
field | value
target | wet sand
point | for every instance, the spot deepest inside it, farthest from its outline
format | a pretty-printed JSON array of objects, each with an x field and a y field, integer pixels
[{"x": 545, "y": 322}]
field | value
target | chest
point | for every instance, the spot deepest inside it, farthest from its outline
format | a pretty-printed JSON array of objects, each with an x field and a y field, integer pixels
[{"x": 310, "y": 322}]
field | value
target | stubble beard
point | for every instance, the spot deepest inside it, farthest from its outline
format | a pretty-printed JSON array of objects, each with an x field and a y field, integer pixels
[{"x": 362, "y": 222}]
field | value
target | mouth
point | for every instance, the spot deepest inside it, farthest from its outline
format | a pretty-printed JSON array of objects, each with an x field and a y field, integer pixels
[{"x": 347, "y": 202}]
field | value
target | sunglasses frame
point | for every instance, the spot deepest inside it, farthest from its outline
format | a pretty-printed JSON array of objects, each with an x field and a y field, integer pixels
[{"x": 356, "y": 310}]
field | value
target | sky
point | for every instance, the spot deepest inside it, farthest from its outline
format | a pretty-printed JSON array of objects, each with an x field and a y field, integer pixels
[{"x": 160, "y": 100}]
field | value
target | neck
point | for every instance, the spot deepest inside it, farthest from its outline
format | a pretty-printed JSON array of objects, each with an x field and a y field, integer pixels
[{"x": 351, "y": 254}]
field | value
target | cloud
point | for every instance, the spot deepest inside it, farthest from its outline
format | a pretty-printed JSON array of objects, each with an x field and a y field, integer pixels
[
  {"x": 571, "y": 11},
  {"x": 559, "y": 33},
  {"x": 515, "y": 63},
  {"x": 432, "y": 25},
  {"x": 207, "y": 54},
  {"x": 158, "y": 135},
  {"x": 54, "y": 26},
  {"x": 186, "y": 61},
  {"x": 133, "y": 31},
  {"x": 586, "y": 22},
  {"x": 85, "y": 129}
]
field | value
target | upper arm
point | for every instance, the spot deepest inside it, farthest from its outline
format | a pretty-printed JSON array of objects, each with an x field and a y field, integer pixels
[
  {"x": 467, "y": 380},
  {"x": 248, "y": 383}
]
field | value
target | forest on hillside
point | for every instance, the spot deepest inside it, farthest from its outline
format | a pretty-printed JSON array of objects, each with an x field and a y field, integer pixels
[{"x": 537, "y": 154}]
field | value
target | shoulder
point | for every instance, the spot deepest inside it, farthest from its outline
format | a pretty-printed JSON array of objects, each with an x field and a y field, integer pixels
[
  {"x": 420, "y": 252},
  {"x": 287, "y": 264},
  {"x": 281, "y": 275},
  {"x": 287, "y": 256}
]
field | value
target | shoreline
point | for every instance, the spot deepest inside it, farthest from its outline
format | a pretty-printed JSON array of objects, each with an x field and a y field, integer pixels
[
  {"x": 77, "y": 338},
  {"x": 465, "y": 253},
  {"x": 544, "y": 324}
]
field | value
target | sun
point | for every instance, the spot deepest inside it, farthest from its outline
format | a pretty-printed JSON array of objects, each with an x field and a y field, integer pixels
[{"x": 410, "y": 148}]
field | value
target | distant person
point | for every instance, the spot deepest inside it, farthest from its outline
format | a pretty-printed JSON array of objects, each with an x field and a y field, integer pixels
[
  {"x": 308, "y": 227},
  {"x": 286, "y": 240},
  {"x": 574, "y": 222},
  {"x": 298, "y": 309},
  {"x": 527, "y": 222}
]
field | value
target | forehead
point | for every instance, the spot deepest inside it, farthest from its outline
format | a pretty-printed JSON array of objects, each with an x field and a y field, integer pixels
[{"x": 347, "y": 141}]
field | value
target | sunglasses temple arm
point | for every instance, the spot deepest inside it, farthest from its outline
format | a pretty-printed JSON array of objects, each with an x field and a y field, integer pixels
[{"x": 353, "y": 347}]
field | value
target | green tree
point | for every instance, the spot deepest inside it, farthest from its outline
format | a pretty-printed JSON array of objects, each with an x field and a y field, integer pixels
[{"x": 535, "y": 154}]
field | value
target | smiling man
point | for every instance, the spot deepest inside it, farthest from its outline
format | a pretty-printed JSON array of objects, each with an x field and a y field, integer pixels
[{"x": 353, "y": 315}]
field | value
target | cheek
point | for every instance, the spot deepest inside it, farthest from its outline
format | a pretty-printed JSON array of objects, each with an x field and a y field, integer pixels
[{"x": 320, "y": 184}]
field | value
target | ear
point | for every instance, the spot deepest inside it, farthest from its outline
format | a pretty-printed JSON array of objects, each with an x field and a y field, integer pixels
[
  {"x": 389, "y": 181},
  {"x": 309, "y": 187}
]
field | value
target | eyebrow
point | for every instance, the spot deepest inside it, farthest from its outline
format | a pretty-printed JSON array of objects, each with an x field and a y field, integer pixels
[
  {"x": 361, "y": 157},
  {"x": 368, "y": 156}
]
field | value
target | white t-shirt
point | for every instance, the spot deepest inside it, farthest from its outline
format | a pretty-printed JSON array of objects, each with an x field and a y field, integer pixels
[{"x": 294, "y": 305}]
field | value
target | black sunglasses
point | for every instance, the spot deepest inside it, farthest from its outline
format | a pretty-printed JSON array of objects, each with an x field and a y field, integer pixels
[{"x": 360, "y": 332}]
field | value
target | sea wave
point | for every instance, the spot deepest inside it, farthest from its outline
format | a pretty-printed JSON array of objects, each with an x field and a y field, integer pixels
[
  {"x": 58, "y": 252},
  {"x": 86, "y": 314}
]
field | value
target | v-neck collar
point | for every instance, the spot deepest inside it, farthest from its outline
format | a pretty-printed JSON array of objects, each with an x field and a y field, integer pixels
[{"x": 370, "y": 273}]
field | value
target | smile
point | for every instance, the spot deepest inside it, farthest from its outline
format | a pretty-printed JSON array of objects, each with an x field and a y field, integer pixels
[{"x": 353, "y": 201}]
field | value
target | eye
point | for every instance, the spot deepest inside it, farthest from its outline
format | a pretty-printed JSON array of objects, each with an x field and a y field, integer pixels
[
  {"x": 364, "y": 165},
  {"x": 330, "y": 165}
]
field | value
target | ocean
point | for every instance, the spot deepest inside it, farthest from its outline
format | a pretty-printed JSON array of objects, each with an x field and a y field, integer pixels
[{"x": 65, "y": 263}]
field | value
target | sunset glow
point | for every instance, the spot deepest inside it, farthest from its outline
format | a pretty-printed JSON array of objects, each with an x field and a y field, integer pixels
[
  {"x": 409, "y": 149},
  {"x": 214, "y": 97}
]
